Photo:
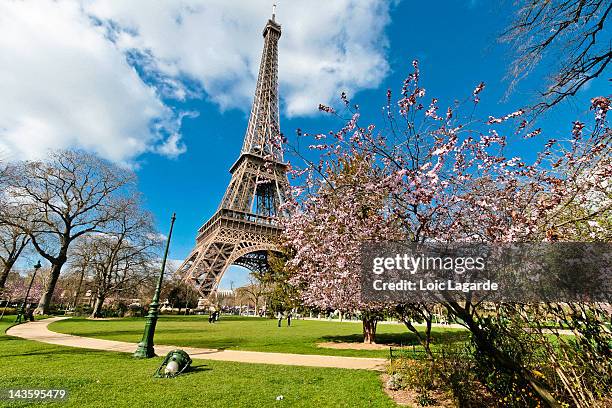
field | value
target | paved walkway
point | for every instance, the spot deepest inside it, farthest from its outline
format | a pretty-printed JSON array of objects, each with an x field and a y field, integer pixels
[{"x": 39, "y": 331}]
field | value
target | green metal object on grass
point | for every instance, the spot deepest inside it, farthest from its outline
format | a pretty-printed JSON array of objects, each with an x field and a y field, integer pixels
[{"x": 175, "y": 363}]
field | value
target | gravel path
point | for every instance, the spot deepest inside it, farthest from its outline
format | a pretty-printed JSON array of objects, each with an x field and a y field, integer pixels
[{"x": 39, "y": 331}]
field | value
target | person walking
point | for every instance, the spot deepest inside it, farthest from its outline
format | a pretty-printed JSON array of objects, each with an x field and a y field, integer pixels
[
  {"x": 289, "y": 319},
  {"x": 280, "y": 318}
]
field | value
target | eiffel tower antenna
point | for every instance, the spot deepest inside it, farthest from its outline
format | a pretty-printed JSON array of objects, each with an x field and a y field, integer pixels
[
  {"x": 245, "y": 227},
  {"x": 274, "y": 12}
]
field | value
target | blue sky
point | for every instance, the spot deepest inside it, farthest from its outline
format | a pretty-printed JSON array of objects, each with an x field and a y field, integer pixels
[
  {"x": 167, "y": 88},
  {"x": 457, "y": 48}
]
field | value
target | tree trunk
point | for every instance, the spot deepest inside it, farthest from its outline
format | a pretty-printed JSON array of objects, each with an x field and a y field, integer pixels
[
  {"x": 45, "y": 300},
  {"x": 428, "y": 335},
  {"x": 369, "y": 330},
  {"x": 78, "y": 291},
  {"x": 424, "y": 340},
  {"x": 5, "y": 271},
  {"x": 483, "y": 343},
  {"x": 97, "y": 309}
]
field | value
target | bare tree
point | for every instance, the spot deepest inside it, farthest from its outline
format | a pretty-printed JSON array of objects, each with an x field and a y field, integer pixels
[
  {"x": 121, "y": 256},
  {"x": 12, "y": 240},
  {"x": 12, "y": 243},
  {"x": 574, "y": 28},
  {"x": 180, "y": 294},
  {"x": 81, "y": 259},
  {"x": 253, "y": 291},
  {"x": 61, "y": 199}
]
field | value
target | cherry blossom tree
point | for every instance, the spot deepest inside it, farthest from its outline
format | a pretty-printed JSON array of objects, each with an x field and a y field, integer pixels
[
  {"x": 16, "y": 289},
  {"x": 347, "y": 210},
  {"x": 433, "y": 173}
]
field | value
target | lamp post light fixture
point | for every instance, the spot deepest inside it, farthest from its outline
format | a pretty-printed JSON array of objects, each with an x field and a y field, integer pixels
[
  {"x": 145, "y": 347},
  {"x": 21, "y": 315}
]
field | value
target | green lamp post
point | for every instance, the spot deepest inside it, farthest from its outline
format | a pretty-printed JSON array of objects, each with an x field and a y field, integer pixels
[
  {"x": 21, "y": 315},
  {"x": 145, "y": 347}
]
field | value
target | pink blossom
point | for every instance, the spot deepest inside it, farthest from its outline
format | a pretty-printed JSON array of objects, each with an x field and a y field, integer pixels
[
  {"x": 327, "y": 109},
  {"x": 477, "y": 90},
  {"x": 437, "y": 183},
  {"x": 533, "y": 133},
  {"x": 577, "y": 129},
  {"x": 601, "y": 106}
]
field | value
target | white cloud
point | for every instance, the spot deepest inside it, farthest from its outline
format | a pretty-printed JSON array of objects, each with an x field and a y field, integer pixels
[
  {"x": 68, "y": 79},
  {"x": 65, "y": 85},
  {"x": 326, "y": 46}
]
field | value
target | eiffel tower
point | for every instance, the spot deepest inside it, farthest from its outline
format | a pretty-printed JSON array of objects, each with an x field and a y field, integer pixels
[{"x": 245, "y": 227}]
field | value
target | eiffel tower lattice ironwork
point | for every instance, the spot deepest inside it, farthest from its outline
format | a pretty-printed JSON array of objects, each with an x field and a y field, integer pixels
[{"x": 245, "y": 227}]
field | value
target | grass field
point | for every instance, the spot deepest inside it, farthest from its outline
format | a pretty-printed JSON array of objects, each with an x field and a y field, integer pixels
[
  {"x": 249, "y": 333},
  {"x": 105, "y": 379}
]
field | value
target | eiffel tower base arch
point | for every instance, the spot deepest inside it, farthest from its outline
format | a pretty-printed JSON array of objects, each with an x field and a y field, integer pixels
[{"x": 229, "y": 238}]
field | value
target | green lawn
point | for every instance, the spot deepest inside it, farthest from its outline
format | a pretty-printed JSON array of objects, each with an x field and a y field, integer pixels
[
  {"x": 105, "y": 379},
  {"x": 249, "y": 333}
]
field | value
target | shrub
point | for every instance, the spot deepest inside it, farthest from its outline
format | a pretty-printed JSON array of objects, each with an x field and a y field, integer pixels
[
  {"x": 83, "y": 310},
  {"x": 115, "y": 309},
  {"x": 135, "y": 310},
  {"x": 395, "y": 382},
  {"x": 419, "y": 375},
  {"x": 453, "y": 370},
  {"x": 9, "y": 311}
]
